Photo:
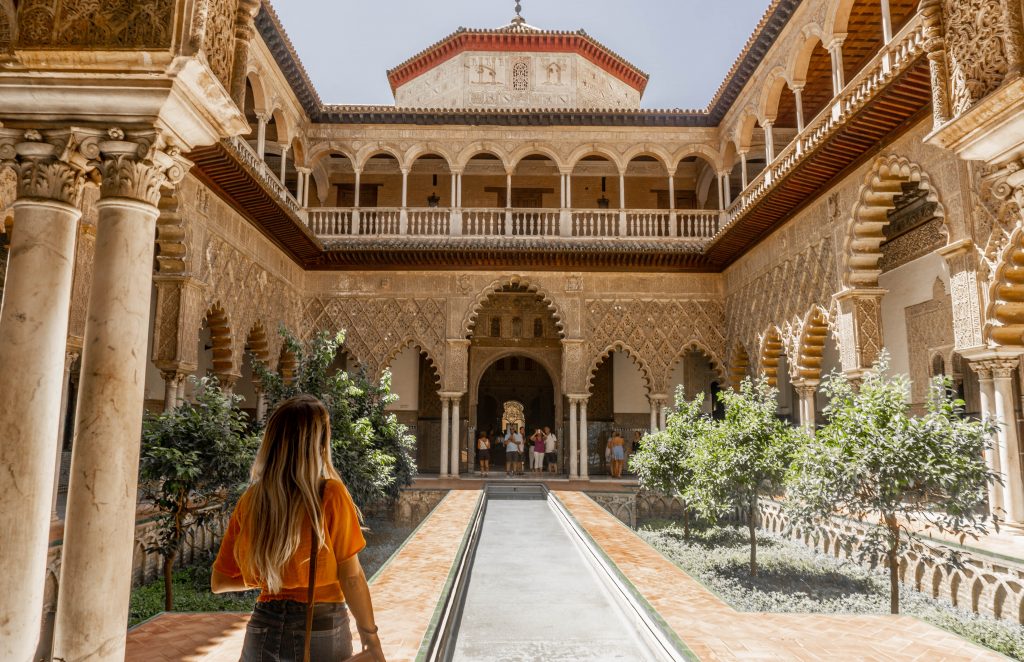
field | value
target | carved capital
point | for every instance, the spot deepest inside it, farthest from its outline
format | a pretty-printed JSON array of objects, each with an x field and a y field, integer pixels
[
  {"x": 50, "y": 165},
  {"x": 138, "y": 165}
]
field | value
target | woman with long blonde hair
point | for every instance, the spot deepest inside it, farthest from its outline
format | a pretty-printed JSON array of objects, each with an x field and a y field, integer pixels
[{"x": 295, "y": 501}]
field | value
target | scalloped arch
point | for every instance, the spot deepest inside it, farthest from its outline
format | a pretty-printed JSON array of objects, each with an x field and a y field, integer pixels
[
  {"x": 515, "y": 280},
  {"x": 633, "y": 354},
  {"x": 403, "y": 344},
  {"x": 864, "y": 234},
  {"x": 695, "y": 345}
]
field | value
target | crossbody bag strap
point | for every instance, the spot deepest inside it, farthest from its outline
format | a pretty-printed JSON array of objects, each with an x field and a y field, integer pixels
[{"x": 314, "y": 549}]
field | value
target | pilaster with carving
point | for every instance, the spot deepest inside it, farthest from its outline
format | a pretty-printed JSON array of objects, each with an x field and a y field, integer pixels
[
  {"x": 977, "y": 41},
  {"x": 456, "y": 371},
  {"x": 965, "y": 289},
  {"x": 574, "y": 366},
  {"x": 860, "y": 328}
]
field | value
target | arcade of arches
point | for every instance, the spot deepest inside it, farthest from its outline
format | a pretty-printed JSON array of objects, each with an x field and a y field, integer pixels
[{"x": 537, "y": 240}]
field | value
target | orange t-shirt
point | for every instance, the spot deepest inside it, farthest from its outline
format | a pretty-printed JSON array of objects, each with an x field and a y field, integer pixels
[{"x": 344, "y": 540}]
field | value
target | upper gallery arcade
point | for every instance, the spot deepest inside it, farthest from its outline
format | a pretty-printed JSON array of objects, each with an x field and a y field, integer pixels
[{"x": 517, "y": 228}]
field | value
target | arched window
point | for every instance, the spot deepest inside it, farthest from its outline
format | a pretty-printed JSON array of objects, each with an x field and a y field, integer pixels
[
  {"x": 538, "y": 328},
  {"x": 495, "y": 327},
  {"x": 520, "y": 77},
  {"x": 517, "y": 327}
]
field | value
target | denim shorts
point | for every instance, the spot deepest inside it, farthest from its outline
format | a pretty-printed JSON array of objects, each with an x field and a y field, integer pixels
[{"x": 277, "y": 632}]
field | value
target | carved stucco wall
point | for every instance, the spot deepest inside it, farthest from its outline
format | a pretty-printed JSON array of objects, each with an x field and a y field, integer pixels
[
  {"x": 798, "y": 266},
  {"x": 929, "y": 332}
]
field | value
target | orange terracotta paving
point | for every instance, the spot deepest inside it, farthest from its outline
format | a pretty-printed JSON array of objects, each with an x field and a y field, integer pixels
[
  {"x": 405, "y": 595},
  {"x": 715, "y": 631}
]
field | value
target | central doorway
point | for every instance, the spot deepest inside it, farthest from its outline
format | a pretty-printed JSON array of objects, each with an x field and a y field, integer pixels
[{"x": 515, "y": 389}]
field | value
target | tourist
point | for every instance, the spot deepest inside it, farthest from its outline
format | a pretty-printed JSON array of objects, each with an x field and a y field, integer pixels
[
  {"x": 537, "y": 452},
  {"x": 617, "y": 448},
  {"x": 511, "y": 452},
  {"x": 483, "y": 453},
  {"x": 295, "y": 502},
  {"x": 550, "y": 449},
  {"x": 520, "y": 441}
]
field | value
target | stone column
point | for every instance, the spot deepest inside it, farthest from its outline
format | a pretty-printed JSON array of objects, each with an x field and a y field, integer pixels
[
  {"x": 1003, "y": 372},
  {"x": 244, "y": 14},
  {"x": 261, "y": 404},
  {"x": 456, "y": 443},
  {"x": 662, "y": 414},
  {"x": 99, "y": 529},
  {"x": 261, "y": 134},
  {"x": 304, "y": 178},
  {"x": 769, "y": 142},
  {"x": 886, "y": 22},
  {"x": 798, "y": 93},
  {"x": 743, "y": 170},
  {"x": 568, "y": 190},
  {"x": 584, "y": 445},
  {"x": 299, "y": 181},
  {"x": 172, "y": 384},
  {"x": 33, "y": 337},
  {"x": 403, "y": 215},
  {"x": 727, "y": 187},
  {"x": 807, "y": 389},
  {"x": 654, "y": 413},
  {"x": 835, "y": 48},
  {"x": 354, "y": 230},
  {"x": 573, "y": 437},
  {"x": 284, "y": 162},
  {"x": 69, "y": 360},
  {"x": 459, "y": 182},
  {"x": 445, "y": 436},
  {"x": 673, "y": 218},
  {"x": 987, "y": 396}
]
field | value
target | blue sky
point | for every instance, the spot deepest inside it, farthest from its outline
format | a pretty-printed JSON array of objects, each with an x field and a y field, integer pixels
[{"x": 686, "y": 46}]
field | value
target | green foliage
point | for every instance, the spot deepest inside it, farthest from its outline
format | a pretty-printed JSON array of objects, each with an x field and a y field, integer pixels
[
  {"x": 372, "y": 450},
  {"x": 746, "y": 454},
  {"x": 876, "y": 462},
  {"x": 194, "y": 463},
  {"x": 191, "y": 593},
  {"x": 661, "y": 462}
]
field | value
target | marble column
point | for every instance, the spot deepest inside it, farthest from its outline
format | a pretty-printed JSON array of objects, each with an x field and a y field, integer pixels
[
  {"x": 987, "y": 397},
  {"x": 886, "y": 22},
  {"x": 807, "y": 390},
  {"x": 354, "y": 229},
  {"x": 835, "y": 48},
  {"x": 284, "y": 162},
  {"x": 1003, "y": 372},
  {"x": 33, "y": 337},
  {"x": 261, "y": 405},
  {"x": 261, "y": 134},
  {"x": 662, "y": 414},
  {"x": 584, "y": 445},
  {"x": 69, "y": 361},
  {"x": 456, "y": 445},
  {"x": 99, "y": 530},
  {"x": 743, "y": 170},
  {"x": 798, "y": 94},
  {"x": 172, "y": 384},
  {"x": 769, "y": 142},
  {"x": 403, "y": 215},
  {"x": 573, "y": 437},
  {"x": 654, "y": 414},
  {"x": 445, "y": 436}
]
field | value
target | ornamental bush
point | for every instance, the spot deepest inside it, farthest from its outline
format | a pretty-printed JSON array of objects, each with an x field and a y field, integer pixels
[
  {"x": 372, "y": 451},
  {"x": 873, "y": 461}
]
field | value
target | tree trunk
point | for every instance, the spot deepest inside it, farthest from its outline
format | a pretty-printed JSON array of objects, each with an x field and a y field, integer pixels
[
  {"x": 168, "y": 584},
  {"x": 686, "y": 522},
  {"x": 752, "y": 527},
  {"x": 894, "y": 563}
]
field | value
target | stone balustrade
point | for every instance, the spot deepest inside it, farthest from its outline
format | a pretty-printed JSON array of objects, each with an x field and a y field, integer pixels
[
  {"x": 338, "y": 222},
  {"x": 892, "y": 60},
  {"x": 258, "y": 167}
]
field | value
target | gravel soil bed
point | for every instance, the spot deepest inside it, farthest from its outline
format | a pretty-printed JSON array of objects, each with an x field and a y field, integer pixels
[
  {"x": 793, "y": 578},
  {"x": 192, "y": 584}
]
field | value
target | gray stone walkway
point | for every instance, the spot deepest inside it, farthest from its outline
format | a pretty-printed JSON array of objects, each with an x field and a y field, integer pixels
[{"x": 533, "y": 596}]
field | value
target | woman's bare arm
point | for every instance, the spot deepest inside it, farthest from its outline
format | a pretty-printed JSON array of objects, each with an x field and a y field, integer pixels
[
  {"x": 221, "y": 583},
  {"x": 357, "y": 595}
]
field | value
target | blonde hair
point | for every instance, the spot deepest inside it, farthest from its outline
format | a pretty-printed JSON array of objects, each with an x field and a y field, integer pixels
[{"x": 293, "y": 461}]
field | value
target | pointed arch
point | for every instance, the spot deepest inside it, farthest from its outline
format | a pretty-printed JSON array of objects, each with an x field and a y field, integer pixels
[
  {"x": 770, "y": 354},
  {"x": 810, "y": 348},
  {"x": 739, "y": 366},
  {"x": 1004, "y": 319},
  {"x": 865, "y": 228},
  {"x": 515, "y": 280},
  {"x": 257, "y": 342},
  {"x": 621, "y": 346},
  {"x": 403, "y": 344},
  {"x": 221, "y": 341}
]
